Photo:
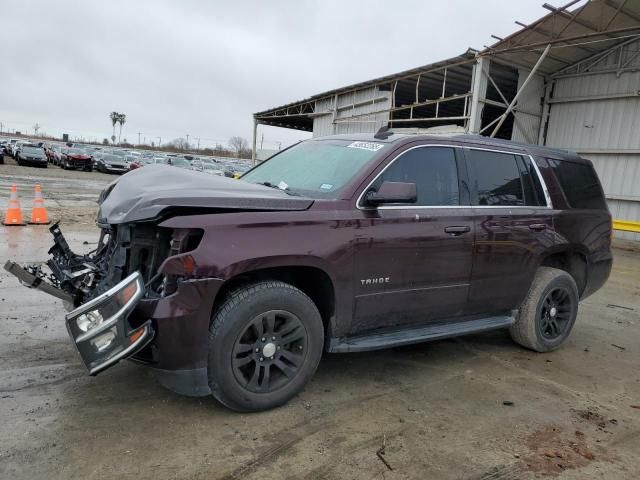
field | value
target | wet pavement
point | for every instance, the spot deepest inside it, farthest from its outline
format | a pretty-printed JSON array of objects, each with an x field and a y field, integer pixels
[{"x": 478, "y": 407}]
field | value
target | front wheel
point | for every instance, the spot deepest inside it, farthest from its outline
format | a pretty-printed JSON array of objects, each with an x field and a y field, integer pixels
[
  {"x": 549, "y": 311},
  {"x": 265, "y": 343}
]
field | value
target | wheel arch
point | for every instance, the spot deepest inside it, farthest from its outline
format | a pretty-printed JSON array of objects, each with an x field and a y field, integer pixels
[
  {"x": 572, "y": 261},
  {"x": 315, "y": 282}
]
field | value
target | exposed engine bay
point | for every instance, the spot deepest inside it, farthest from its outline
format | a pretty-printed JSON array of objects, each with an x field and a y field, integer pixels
[{"x": 121, "y": 250}]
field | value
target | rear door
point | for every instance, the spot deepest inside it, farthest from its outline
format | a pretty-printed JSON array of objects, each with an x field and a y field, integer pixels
[
  {"x": 413, "y": 261},
  {"x": 513, "y": 226}
]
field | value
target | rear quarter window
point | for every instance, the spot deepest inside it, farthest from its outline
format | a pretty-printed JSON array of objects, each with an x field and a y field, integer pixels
[{"x": 580, "y": 184}]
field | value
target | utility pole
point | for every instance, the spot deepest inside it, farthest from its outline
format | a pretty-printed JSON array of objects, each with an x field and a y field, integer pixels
[
  {"x": 198, "y": 139},
  {"x": 187, "y": 141},
  {"x": 36, "y": 127},
  {"x": 139, "y": 133},
  {"x": 159, "y": 141},
  {"x": 144, "y": 140},
  {"x": 1, "y": 128}
]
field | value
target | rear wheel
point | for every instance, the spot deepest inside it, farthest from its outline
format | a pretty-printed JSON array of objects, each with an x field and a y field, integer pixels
[
  {"x": 265, "y": 343},
  {"x": 549, "y": 312}
]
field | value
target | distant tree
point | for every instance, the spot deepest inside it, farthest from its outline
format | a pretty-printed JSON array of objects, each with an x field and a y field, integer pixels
[
  {"x": 105, "y": 141},
  {"x": 122, "y": 119},
  {"x": 178, "y": 144},
  {"x": 115, "y": 118},
  {"x": 238, "y": 145}
]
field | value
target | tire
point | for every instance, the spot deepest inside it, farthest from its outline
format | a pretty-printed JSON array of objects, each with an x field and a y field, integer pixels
[
  {"x": 552, "y": 300},
  {"x": 237, "y": 377}
]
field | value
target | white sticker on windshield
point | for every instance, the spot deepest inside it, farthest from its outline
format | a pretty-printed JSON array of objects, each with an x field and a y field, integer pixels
[
  {"x": 372, "y": 147},
  {"x": 326, "y": 186},
  {"x": 283, "y": 186}
]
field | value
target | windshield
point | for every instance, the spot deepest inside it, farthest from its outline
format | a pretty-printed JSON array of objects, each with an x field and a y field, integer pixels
[
  {"x": 76, "y": 151},
  {"x": 32, "y": 150},
  {"x": 315, "y": 168}
]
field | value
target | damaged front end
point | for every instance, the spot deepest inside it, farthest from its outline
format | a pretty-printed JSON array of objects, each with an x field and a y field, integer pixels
[{"x": 103, "y": 287}]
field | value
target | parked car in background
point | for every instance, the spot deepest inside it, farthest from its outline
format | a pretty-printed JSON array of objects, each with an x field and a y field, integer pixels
[
  {"x": 15, "y": 147},
  {"x": 76, "y": 158},
  {"x": 111, "y": 162},
  {"x": 56, "y": 154},
  {"x": 179, "y": 162},
  {"x": 196, "y": 164},
  {"x": 31, "y": 155},
  {"x": 212, "y": 169}
]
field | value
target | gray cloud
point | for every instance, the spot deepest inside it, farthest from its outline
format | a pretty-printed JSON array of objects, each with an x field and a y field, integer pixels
[{"x": 203, "y": 67}]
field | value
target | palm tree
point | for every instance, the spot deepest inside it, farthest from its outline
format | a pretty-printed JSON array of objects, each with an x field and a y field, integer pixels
[
  {"x": 114, "y": 116},
  {"x": 122, "y": 119}
]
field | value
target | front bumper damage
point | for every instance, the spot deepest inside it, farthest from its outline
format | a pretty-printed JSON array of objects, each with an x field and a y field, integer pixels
[
  {"x": 120, "y": 305},
  {"x": 99, "y": 328}
]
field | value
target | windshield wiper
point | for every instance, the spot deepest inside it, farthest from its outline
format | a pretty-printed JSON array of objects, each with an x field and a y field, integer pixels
[{"x": 285, "y": 190}]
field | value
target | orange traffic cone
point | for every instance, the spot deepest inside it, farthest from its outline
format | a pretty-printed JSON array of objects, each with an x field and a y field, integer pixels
[
  {"x": 14, "y": 214},
  {"x": 38, "y": 212}
]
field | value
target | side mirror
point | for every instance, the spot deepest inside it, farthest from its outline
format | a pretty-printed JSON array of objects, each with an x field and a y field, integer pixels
[{"x": 393, "y": 192}]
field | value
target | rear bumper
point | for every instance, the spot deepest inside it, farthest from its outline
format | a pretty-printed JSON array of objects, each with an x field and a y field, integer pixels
[{"x": 598, "y": 273}]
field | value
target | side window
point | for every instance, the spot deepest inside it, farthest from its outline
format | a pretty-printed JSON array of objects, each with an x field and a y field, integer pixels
[
  {"x": 580, "y": 184},
  {"x": 432, "y": 169},
  {"x": 496, "y": 178},
  {"x": 533, "y": 193}
]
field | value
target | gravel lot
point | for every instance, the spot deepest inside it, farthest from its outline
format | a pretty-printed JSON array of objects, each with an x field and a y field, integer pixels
[{"x": 472, "y": 408}]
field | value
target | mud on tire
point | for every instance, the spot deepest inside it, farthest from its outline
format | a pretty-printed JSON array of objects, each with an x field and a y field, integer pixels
[{"x": 265, "y": 343}]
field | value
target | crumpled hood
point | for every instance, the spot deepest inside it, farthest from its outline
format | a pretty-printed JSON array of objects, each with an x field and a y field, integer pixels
[{"x": 143, "y": 193}]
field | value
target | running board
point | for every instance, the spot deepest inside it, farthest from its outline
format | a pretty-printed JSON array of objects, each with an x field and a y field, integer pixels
[{"x": 428, "y": 333}]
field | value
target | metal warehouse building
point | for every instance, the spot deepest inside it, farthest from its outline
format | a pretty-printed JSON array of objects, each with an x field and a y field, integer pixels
[{"x": 569, "y": 80}]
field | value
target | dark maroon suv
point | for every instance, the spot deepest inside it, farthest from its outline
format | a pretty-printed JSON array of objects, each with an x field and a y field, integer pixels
[{"x": 337, "y": 244}]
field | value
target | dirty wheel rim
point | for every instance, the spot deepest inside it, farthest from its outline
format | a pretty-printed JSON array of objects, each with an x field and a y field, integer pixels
[
  {"x": 556, "y": 313},
  {"x": 270, "y": 351}
]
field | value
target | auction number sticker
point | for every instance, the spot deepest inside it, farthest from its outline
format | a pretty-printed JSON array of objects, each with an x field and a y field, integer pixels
[{"x": 372, "y": 147}]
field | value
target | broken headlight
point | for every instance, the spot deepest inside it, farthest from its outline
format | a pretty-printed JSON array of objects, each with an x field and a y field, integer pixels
[{"x": 100, "y": 330}]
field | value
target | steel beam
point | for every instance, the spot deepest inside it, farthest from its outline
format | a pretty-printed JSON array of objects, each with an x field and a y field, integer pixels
[
  {"x": 478, "y": 92},
  {"x": 593, "y": 98},
  {"x": 524, "y": 85}
]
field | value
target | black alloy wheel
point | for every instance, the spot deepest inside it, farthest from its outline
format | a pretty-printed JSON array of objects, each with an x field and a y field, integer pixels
[
  {"x": 556, "y": 313},
  {"x": 265, "y": 343},
  {"x": 270, "y": 351}
]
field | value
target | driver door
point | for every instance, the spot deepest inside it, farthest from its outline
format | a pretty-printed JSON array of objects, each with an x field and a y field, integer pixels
[{"x": 413, "y": 261}]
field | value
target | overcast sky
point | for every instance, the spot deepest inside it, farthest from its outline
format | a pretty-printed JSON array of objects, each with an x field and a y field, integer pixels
[{"x": 203, "y": 67}]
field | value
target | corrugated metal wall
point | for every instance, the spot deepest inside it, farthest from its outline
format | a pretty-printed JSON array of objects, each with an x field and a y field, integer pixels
[
  {"x": 527, "y": 118},
  {"x": 351, "y": 105},
  {"x": 607, "y": 131}
]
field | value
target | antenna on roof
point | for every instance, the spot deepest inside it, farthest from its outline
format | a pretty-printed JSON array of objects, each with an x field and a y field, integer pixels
[{"x": 384, "y": 133}]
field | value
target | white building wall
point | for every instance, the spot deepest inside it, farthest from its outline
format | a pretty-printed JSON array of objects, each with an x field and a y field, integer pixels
[
  {"x": 349, "y": 105},
  {"x": 529, "y": 109},
  {"x": 606, "y": 131}
]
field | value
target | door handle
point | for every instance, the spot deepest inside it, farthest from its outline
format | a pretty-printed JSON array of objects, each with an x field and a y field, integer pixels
[
  {"x": 455, "y": 230},
  {"x": 538, "y": 226}
]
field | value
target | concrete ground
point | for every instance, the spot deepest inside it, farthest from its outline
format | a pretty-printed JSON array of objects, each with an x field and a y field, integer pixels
[{"x": 478, "y": 407}]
